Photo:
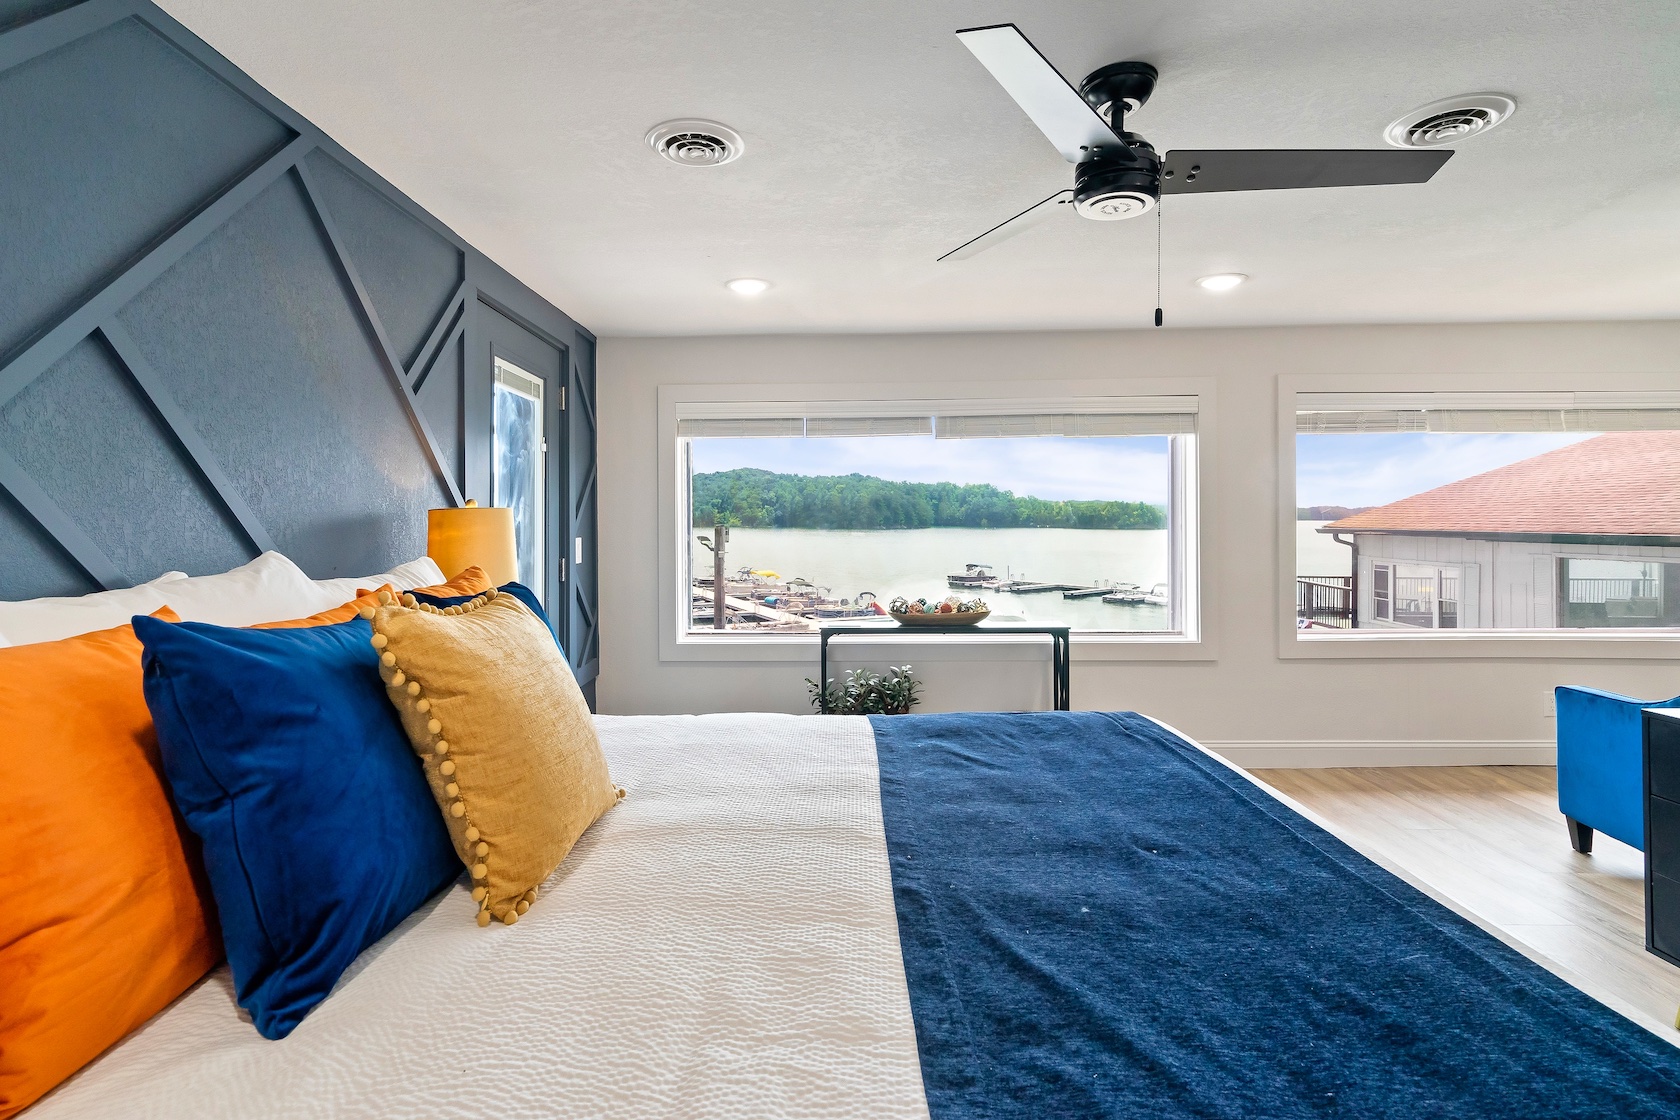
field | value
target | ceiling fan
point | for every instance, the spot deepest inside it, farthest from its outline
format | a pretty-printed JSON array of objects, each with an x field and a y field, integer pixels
[{"x": 1117, "y": 173}]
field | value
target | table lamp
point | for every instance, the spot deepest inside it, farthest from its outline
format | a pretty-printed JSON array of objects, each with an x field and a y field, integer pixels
[{"x": 473, "y": 534}]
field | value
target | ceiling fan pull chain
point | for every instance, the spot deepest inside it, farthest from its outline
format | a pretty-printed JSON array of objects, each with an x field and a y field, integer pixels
[{"x": 1157, "y": 263}]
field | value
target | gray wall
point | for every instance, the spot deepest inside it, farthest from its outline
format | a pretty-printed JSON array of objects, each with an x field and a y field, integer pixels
[
  {"x": 1239, "y": 692},
  {"x": 221, "y": 333}
]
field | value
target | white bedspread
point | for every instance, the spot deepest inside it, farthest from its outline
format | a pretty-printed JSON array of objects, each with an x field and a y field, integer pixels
[{"x": 723, "y": 943}]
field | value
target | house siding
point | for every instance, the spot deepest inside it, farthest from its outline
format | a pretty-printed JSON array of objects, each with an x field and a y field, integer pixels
[{"x": 1506, "y": 585}]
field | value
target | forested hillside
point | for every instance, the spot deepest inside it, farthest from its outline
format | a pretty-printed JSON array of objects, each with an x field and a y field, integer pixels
[{"x": 764, "y": 499}]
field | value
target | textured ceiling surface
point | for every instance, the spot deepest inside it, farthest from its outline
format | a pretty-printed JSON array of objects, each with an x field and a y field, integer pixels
[{"x": 875, "y": 142}]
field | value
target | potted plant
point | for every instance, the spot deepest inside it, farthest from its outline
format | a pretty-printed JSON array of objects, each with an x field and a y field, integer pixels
[{"x": 866, "y": 693}]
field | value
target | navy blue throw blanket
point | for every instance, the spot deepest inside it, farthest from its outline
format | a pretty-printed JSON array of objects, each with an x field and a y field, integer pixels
[{"x": 1099, "y": 921}]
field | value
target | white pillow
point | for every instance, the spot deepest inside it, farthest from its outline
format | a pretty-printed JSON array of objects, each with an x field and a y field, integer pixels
[
  {"x": 49, "y": 619},
  {"x": 423, "y": 572},
  {"x": 268, "y": 589}
]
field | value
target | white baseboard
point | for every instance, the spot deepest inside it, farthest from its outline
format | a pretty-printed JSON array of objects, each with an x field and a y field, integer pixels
[{"x": 1317, "y": 754}]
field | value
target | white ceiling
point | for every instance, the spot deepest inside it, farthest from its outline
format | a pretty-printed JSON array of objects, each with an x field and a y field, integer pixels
[{"x": 875, "y": 142}]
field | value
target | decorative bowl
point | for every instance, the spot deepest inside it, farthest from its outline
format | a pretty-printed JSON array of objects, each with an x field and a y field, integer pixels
[{"x": 934, "y": 618}]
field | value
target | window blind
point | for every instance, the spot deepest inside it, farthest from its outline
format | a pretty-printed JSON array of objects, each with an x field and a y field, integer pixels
[
  {"x": 744, "y": 427},
  {"x": 1077, "y": 424},
  {"x": 978, "y": 419},
  {"x": 1348, "y": 413},
  {"x": 868, "y": 425}
]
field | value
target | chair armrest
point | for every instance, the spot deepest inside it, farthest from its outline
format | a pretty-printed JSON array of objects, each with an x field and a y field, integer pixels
[{"x": 1567, "y": 692}]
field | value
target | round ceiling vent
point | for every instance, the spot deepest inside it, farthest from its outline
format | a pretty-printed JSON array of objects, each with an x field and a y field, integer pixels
[
  {"x": 1450, "y": 120},
  {"x": 696, "y": 143}
]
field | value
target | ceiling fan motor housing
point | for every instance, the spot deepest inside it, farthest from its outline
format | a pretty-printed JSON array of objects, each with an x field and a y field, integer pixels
[
  {"x": 1111, "y": 188},
  {"x": 1119, "y": 88}
]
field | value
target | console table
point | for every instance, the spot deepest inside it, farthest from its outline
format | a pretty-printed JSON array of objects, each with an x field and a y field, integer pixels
[
  {"x": 1058, "y": 635},
  {"x": 1662, "y": 833}
]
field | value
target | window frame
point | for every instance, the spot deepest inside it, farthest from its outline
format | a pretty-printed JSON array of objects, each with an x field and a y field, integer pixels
[
  {"x": 1328, "y": 644},
  {"x": 1189, "y": 531}
]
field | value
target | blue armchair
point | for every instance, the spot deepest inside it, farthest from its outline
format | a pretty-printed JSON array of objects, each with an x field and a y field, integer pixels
[{"x": 1600, "y": 760}]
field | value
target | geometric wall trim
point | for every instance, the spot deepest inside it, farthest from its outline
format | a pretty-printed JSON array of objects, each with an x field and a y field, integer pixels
[{"x": 221, "y": 333}]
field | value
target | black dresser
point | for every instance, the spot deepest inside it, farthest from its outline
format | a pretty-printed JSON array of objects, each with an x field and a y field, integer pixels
[{"x": 1662, "y": 832}]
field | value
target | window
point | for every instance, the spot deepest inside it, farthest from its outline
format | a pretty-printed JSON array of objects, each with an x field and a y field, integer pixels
[
  {"x": 1079, "y": 513},
  {"x": 1490, "y": 512},
  {"x": 1421, "y": 596},
  {"x": 1595, "y": 592},
  {"x": 518, "y": 463}
]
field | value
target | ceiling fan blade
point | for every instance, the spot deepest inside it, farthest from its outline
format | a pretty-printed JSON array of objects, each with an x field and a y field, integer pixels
[
  {"x": 1205, "y": 171},
  {"x": 1054, "y": 105},
  {"x": 1003, "y": 231}
]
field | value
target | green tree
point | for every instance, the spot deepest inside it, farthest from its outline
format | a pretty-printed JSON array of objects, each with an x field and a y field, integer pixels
[{"x": 764, "y": 499}]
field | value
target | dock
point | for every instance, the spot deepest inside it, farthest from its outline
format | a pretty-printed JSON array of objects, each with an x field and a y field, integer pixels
[{"x": 751, "y": 608}]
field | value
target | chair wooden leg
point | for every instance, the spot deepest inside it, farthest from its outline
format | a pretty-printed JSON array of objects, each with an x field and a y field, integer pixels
[{"x": 1580, "y": 836}]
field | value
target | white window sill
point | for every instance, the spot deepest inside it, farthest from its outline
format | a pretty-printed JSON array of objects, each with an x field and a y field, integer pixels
[
  {"x": 802, "y": 648},
  {"x": 1472, "y": 644}
]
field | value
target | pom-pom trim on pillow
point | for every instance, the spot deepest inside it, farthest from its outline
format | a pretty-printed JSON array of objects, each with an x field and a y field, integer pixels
[
  {"x": 438, "y": 756},
  {"x": 435, "y": 750}
]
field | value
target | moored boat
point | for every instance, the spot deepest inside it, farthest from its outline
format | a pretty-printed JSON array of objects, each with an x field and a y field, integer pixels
[{"x": 973, "y": 575}]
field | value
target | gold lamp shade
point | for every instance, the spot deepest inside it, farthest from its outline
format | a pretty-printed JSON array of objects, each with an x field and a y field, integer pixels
[{"x": 474, "y": 534}]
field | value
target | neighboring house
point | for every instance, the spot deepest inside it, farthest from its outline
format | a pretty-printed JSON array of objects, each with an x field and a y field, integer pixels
[{"x": 1587, "y": 535}]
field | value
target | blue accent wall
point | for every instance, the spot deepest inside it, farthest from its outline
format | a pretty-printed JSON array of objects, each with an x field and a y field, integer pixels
[{"x": 220, "y": 332}]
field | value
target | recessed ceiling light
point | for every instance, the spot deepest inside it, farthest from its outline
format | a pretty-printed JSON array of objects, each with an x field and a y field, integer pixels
[
  {"x": 1221, "y": 281},
  {"x": 747, "y": 286}
]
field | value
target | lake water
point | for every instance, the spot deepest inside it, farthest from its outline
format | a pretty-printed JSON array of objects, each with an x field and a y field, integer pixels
[
  {"x": 915, "y": 562},
  {"x": 1318, "y": 555}
]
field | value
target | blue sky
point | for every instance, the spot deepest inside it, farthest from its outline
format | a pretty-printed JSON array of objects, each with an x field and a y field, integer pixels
[
  {"x": 1374, "y": 469},
  {"x": 1133, "y": 468}
]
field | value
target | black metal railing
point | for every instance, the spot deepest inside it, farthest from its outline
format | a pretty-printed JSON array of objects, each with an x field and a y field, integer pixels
[{"x": 1325, "y": 600}]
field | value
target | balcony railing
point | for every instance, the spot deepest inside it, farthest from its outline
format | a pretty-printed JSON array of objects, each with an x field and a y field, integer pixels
[
  {"x": 1324, "y": 601},
  {"x": 1607, "y": 590}
]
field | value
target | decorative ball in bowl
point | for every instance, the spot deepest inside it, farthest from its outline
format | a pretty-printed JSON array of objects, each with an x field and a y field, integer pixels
[{"x": 952, "y": 611}]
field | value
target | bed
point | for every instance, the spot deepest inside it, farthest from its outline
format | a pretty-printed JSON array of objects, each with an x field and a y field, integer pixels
[{"x": 955, "y": 916}]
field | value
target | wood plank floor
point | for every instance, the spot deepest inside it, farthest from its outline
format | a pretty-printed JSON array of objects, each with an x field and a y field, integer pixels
[{"x": 1490, "y": 838}]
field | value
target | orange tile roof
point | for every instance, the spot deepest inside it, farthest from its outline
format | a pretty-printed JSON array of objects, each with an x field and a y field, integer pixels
[{"x": 1624, "y": 484}]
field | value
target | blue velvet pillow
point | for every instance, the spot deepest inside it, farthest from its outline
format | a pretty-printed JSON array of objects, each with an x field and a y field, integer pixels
[
  {"x": 517, "y": 590},
  {"x": 288, "y": 761}
]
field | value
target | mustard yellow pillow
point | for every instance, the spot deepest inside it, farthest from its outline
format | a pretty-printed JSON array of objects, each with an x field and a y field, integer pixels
[{"x": 509, "y": 747}]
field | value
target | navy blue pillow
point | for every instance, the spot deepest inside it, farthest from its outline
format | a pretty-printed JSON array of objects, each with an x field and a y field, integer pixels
[
  {"x": 288, "y": 761},
  {"x": 517, "y": 590}
]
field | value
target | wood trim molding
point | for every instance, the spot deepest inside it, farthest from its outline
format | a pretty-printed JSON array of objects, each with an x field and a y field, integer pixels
[
  {"x": 438, "y": 337},
  {"x": 61, "y": 28},
  {"x": 129, "y": 354},
  {"x": 37, "y": 356},
  {"x": 370, "y": 318},
  {"x": 58, "y": 525}
]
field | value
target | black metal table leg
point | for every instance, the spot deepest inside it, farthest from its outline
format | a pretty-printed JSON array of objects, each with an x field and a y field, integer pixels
[
  {"x": 1061, "y": 659},
  {"x": 822, "y": 678},
  {"x": 1064, "y": 693},
  {"x": 1061, "y": 652}
]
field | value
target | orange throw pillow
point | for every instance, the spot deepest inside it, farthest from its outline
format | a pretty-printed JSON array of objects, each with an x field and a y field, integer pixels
[
  {"x": 342, "y": 613},
  {"x": 102, "y": 911},
  {"x": 473, "y": 581}
]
